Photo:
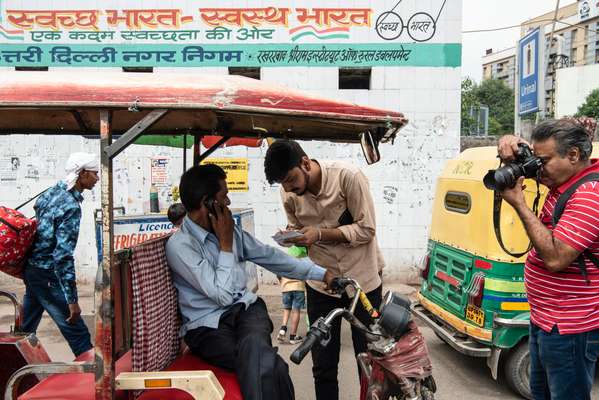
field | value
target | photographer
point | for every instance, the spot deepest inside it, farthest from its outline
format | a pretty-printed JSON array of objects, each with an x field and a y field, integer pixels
[{"x": 562, "y": 280}]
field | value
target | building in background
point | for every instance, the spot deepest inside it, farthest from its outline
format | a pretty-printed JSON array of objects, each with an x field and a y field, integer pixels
[
  {"x": 575, "y": 43},
  {"x": 400, "y": 56},
  {"x": 500, "y": 65}
]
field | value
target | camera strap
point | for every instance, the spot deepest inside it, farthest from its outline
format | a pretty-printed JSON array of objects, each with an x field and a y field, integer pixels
[{"x": 497, "y": 201}]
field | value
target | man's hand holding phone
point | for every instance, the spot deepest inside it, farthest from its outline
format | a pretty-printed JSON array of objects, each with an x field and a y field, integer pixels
[{"x": 222, "y": 224}]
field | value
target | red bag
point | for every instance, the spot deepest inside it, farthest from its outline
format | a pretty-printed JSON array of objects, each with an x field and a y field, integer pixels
[{"x": 17, "y": 233}]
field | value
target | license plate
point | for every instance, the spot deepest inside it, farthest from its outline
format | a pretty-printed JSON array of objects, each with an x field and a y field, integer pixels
[{"x": 475, "y": 315}]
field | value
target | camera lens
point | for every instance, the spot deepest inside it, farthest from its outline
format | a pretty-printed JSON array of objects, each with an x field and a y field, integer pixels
[
  {"x": 505, "y": 177},
  {"x": 526, "y": 165},
  {"x": 502, "y": 178},
  {"x": 489, "y": 180}
]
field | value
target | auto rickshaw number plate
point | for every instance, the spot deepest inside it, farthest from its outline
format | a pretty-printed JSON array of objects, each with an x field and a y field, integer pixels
[{"x": 475, "y": 315}]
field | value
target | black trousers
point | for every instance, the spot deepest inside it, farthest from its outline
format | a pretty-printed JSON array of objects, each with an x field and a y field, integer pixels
[
  {"x": 242, "y": 343},
  {"x": 325, "y": 360}
]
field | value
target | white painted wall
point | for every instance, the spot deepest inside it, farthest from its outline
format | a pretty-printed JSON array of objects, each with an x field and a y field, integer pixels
[{"x": 573, "y": 85}]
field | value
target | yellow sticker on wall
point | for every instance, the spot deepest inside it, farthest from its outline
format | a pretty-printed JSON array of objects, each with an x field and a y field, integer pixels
[{"x": 236, "y": 170}]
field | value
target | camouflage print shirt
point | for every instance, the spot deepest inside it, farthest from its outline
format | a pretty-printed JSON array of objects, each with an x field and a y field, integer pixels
[{"x": 58, "y": 214}]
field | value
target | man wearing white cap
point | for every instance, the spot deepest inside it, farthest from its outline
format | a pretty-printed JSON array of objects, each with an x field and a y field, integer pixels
[{"x": 50, "y": 271}]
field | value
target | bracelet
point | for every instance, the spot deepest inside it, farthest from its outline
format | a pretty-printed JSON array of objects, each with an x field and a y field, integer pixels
[{"x": 319, "y": 235}]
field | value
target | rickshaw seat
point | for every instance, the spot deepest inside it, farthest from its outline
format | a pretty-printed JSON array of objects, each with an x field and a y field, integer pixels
[{"x": 75, "y": 386}]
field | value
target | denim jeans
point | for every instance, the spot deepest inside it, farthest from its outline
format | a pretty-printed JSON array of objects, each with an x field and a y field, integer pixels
[
  {"x": 42, "y": 292},
  {"x": 562, "y": 367}
]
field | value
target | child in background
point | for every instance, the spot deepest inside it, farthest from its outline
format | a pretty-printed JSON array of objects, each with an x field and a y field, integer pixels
[
  {"x": 176, "y": 213},
  {"x": 294, "y": 300}
]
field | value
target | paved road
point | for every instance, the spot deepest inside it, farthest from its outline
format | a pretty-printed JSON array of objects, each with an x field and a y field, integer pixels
[{"x": 457, "y": 376}]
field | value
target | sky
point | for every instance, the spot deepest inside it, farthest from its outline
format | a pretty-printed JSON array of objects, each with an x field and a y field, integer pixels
[{"x": 486, "y": 14}]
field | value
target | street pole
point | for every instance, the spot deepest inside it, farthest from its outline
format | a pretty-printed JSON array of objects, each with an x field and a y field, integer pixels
[
  {"x": 517, "y": 117},
  {"x": 547, "y": 58}
]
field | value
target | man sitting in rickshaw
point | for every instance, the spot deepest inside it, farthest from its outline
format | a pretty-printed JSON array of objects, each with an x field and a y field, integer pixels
[{"x": 224, "y": 323}]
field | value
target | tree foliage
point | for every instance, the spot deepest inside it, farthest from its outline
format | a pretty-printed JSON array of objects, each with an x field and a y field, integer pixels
[
  {"x": 494, "y": 94},
  {"x": 590, "y": 107}
]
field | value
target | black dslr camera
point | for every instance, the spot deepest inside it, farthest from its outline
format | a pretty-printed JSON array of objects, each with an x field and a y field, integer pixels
[{"x": 526, "y": 165}]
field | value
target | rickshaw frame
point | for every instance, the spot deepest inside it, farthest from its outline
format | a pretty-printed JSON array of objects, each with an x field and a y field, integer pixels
[{"x": 95, "y": 104}]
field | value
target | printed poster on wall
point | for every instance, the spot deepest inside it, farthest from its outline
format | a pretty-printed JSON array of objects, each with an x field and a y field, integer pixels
[
  {"x": 236, "y": 170},
  {"x": 181, "y": 33},
  {"x": 159, "y": 174},
  {"x": 9, "y": 167}
]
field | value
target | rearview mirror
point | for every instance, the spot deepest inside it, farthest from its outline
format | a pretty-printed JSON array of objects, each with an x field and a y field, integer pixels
[{"x": 370, "y": 148}]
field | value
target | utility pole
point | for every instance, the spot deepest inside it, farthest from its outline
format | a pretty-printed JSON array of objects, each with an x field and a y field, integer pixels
[{"x": 548, "y": 59}]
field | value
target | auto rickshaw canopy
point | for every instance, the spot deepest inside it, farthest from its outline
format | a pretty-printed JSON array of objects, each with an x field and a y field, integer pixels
[{"x": 69, "y": 102}]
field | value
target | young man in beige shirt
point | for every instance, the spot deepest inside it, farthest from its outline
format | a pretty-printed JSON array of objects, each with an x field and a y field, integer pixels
[{"x": 330, "y": 203}]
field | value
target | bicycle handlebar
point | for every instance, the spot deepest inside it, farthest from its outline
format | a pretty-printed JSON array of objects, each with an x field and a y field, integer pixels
[
  {"x": 338, "y": 285},
  {"x": 302, "y": 350}
]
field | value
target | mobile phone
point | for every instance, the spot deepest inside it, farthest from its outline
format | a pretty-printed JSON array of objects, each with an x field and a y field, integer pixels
[{"x": 210, "y": 205}]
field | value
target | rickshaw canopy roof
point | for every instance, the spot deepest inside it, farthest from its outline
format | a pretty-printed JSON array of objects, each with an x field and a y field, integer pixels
[{"x": 69, "y": 102}]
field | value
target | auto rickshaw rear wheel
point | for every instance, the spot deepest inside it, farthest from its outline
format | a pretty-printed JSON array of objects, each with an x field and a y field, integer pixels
[{"x": 517, "y": 369}]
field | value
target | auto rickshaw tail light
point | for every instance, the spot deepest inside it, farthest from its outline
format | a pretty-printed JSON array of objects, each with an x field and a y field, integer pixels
[
  {"x": 476, "y": 289},
  {"x": 482, "y": 264}
]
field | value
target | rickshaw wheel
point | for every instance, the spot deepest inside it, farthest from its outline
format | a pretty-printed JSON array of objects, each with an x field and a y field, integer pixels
[{"x": 517, "y": 370}]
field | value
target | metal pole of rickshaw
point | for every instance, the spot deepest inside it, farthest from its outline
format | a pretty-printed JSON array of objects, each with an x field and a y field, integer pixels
[
  {"x": 103, "y": 299},
  {"x": 197, "y": 141},
  {"x": 185, "y": 152},
  {"x": 104, "y": 341}
]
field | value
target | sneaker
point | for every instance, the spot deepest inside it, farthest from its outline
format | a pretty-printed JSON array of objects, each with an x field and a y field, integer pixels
[
  {"x": 296, "y": 339},
  {"x": 282, "y": 334}
]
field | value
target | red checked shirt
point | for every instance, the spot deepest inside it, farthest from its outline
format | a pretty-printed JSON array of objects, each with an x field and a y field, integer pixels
[{"x": 564, "y": 298}]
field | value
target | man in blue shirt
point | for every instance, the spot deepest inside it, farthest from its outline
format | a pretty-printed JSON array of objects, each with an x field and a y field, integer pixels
[
  {"x": 49, "y": 276},
  {"x": 224, "y": 323}
]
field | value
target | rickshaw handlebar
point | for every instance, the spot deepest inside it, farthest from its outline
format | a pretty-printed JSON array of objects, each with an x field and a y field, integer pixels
[
  {"x": 319, "y": 331},
  {"x": 302, "y": 350}
]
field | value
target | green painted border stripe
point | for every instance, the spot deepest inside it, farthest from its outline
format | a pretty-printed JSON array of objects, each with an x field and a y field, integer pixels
[
  {"x": 504, "y": 286},
  {"x": 321, "y": 54}
]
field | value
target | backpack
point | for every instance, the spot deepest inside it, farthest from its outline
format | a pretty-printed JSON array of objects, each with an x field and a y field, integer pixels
[
  {"x": 558, "y": 210},
  {"x": 17, "y": 233}
]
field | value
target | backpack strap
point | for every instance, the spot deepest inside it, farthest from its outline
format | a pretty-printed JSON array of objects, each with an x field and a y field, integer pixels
[
  {"x": 558, "y": 210},
  {"x": 560, "y": 206},
  {"x": 31, "y": 199}
]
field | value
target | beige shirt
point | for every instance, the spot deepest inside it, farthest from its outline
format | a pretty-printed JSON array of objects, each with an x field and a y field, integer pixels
[
  {"x": 290, "y": 285},
  {"x": 343, "y": 187}
]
